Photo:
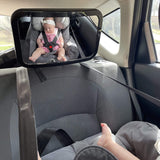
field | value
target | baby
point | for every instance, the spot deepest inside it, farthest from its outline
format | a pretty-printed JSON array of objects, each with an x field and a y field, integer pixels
[{"x": 50, "y": 32}]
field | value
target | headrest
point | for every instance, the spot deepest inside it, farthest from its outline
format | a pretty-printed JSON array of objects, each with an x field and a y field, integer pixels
[
  {"x": 36, "y": 23},
  {"x": 61, "y": 22}
]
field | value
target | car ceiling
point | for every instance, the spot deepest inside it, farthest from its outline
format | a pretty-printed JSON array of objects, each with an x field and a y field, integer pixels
[{"x": 9, "y": 6}]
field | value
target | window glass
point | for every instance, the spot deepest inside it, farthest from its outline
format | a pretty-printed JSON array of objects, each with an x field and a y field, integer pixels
[
  {"x": 6, "y": 37},
  {"x": 111, "y": 25},
  {"x": 155, "y": 27}
]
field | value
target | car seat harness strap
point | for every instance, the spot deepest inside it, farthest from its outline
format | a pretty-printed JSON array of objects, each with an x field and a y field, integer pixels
[
  {"x": 51, "y": 45},
  {"x": 79, "y": 47},
  {"x": 47, "y": 145}
]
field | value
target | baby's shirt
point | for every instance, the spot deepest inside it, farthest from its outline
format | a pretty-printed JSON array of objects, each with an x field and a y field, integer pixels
[{"x": 50, "y": 38}]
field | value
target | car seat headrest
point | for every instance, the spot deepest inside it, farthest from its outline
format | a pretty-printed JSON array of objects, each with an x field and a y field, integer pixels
[
  {"x": 61, "y": 22},
  {"x": 36, "y": 23}
]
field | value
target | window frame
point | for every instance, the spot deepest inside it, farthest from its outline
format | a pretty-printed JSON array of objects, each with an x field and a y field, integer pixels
[{"x": 151, "y": 30}]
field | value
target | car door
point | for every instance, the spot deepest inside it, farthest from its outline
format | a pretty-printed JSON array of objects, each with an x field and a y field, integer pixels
[
  {"x": 143, "y": 70},
  {"x": 147, "y": 67}
]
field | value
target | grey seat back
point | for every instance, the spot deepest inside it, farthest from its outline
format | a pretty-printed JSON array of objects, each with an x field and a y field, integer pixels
[
  {"x": 9, "y": 134},
  {"x": 18, "y": 137},
  {"x": 76, "y": 99}
]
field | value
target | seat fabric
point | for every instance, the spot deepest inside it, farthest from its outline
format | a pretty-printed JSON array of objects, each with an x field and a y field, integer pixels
[
  {"x": 138, "y": 137},
  {"x": 9, "y": 116},
  {"x": 69, "y": 152}
]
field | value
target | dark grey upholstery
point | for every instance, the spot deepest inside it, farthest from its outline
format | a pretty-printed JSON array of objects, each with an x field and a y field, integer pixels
[
  {"x": 76, "y": 99},
  {"x": 94, "y": 153},
  {"x": 9, "y": 145}
]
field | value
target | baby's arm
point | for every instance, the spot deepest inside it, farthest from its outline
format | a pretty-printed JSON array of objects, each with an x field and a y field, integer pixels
[
  {"x": 107, "y": 142},
  {"x": 39, "y": 42},
  {"x": 61, "y": 41}
]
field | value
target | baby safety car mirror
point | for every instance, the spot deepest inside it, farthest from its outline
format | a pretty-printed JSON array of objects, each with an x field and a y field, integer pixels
[{"x": 45, "y": 37}]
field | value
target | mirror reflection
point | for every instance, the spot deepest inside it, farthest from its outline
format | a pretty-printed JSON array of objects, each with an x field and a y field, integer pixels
[
  {"x": 49, "y": 41},
  {"x": 57, "y": 39}
]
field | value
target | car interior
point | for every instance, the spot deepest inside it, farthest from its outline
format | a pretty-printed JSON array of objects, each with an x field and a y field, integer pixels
[{"x": 118, "y": 84}]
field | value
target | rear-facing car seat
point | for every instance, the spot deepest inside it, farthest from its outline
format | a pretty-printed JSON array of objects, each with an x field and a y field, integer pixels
[
  {"x": 115, "y": 113},
  {"x": 76, "y": 99},
  {"x": 62, "y": 23}
]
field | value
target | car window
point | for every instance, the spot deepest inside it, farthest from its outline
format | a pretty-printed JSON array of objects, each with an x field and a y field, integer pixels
[
  {"x": 6, "y": 37},
  {"x": 155, "y": 27},
  {"x": 110, "y": 37},
  {"x": 111, "y": 25}
]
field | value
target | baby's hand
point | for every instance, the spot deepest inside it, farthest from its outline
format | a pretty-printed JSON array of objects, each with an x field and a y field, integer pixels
[
  {"x": 39, "y": 42},
  {"x": 40, "y": 45},
  {"x": 61, "y": 42}
]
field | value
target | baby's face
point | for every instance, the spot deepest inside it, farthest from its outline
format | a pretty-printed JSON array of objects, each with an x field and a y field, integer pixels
[{"x": 48, "y": 28}]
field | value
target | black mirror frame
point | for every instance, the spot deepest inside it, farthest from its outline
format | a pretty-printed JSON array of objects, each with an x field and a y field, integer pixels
[{"x": 49, "y": 12}]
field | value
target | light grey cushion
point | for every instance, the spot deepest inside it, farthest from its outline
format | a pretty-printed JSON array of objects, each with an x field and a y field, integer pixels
[
  {"x": 139, "y": 138},
  {"x": 62, "y": 22},
  {"x": 66, "y": 153}
]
